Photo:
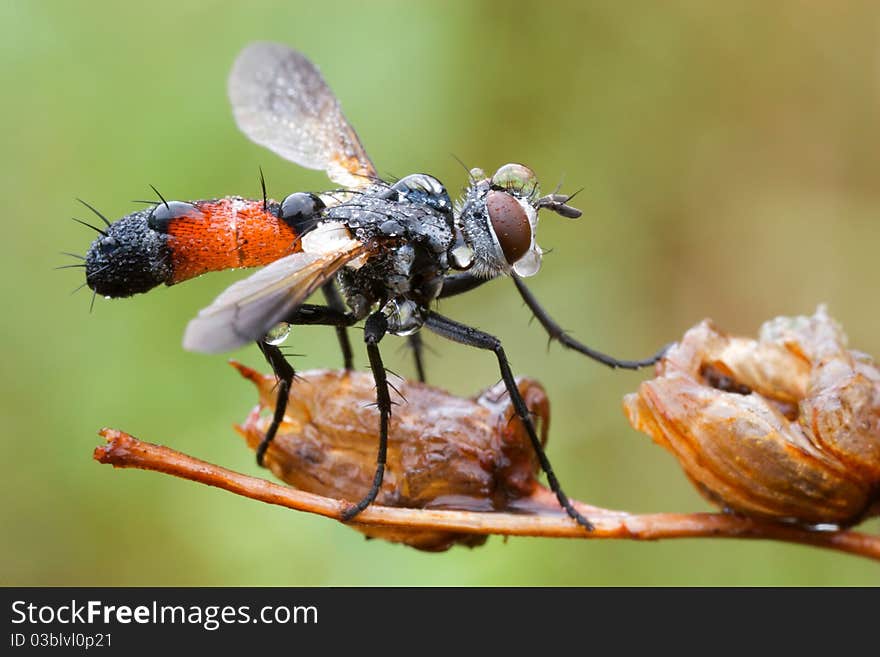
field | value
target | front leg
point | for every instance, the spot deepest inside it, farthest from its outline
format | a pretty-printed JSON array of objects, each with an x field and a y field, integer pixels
[
  {"x": 472, "y": 337},
  {"x": 557, "y": 333},
  {"x": 375, "y": 329}
]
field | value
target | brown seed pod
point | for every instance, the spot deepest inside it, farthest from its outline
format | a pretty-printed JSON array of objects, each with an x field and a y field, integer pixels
[
  {"x": 785, "y": 427},
  {"x": 444, "y": 452}
]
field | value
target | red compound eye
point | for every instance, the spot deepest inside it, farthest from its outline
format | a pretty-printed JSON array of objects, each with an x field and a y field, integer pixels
[{"x": 511, "y": 225}]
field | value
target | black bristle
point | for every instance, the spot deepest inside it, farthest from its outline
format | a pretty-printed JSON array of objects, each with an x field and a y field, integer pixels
[
  {"x": 263, "y": 186},
  {"x": 103, "y": 218},
  {"x": 159, "y": 194},
  {"x": 88, "y": 225}
]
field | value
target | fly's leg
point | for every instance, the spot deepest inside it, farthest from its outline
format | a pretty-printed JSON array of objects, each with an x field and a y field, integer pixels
[
  {"x": 334, "y": 301},
  {"x": 459, "y": 283},
  {"x": 284, "y": 373},
  {"x": 375, "y": 329},
  {"x": 283, "y": 370},
  {"x": 452, "y": 330},
  {"x": 418, "y": 351},
  {"x": 557, "y": 333},
  {"x": 454, "y": 284}
]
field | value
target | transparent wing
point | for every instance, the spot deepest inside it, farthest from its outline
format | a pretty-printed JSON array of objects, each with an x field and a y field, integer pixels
[
  {"x": 280, "y": 101},
  {"x": 246, "y": 310}
]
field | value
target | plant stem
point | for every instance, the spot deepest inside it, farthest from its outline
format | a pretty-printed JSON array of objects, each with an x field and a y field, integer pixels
[{"x": 125, "y": 451}]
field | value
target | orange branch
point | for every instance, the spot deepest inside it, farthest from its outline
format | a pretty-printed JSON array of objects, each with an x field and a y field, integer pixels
[{"x": 125, "y": 451}]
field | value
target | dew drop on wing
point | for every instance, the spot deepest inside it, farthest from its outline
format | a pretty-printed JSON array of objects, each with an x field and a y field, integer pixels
[{"x": 277, "y": 334}]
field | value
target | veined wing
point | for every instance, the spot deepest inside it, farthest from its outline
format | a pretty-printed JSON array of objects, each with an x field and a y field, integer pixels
[
  {"x": 281, "y": 101},
  {"x": 246, "y": 310}
]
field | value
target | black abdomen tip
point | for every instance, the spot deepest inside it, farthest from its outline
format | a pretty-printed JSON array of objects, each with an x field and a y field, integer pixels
[{"x": 131, "y": 258}]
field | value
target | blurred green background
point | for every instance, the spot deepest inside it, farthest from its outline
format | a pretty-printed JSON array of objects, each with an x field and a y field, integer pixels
[{"x": 729, "y": 158}]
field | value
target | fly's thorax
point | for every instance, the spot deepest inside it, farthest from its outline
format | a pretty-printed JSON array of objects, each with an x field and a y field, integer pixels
[
  {"x": 423, "y": 189},
  {"x": 386, "y": 212},
  {"x": 498, "y": 221},
  {"x": 396, "y": 269},
  {"x": 408, "y": 227}
]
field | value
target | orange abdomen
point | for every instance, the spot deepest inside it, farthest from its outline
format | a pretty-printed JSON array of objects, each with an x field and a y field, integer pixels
[{"x": 225, "y": 234}]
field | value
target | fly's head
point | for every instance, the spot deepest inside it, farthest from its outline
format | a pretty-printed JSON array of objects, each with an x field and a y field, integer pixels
[
  {"x": 497, "y": 222},
  {"x": 128, "y": 257}
]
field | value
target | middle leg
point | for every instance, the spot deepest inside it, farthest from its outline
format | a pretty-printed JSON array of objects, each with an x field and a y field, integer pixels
[
  {"x": 375, "y": 329},
  {"x": 472, "y": 337}
]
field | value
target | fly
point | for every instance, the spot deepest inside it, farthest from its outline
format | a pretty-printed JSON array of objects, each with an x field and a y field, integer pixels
[{"x": 381, "y": 252}]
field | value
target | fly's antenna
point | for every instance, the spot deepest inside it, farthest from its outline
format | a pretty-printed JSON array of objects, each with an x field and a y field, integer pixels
[
  {"x": 263, "y": 186},
  {"x": 558, "y": 203},
  {"x": 103, "y": 218},
  {"x": 159, "y": 194}
]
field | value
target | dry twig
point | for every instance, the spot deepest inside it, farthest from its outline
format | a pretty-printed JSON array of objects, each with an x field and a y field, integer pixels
[{"x": 125, "y": 451}]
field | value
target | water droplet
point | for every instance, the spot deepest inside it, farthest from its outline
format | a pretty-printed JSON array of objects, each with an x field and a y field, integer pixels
[
  {"x": 277, "y": 334},
  {"x": 517, "y": 179},
  {"x": 529, "y": 264},
  {"x": 462, "y": 256},
  {"x": 404, "y": 317},
  {"x": 391, "y": 228}
]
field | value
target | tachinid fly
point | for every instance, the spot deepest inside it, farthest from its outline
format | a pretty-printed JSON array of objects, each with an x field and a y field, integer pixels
[{"x": 381, "y": 252}]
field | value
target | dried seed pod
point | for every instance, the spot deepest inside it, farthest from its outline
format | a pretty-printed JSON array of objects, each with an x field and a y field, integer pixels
[
  {"x": 444, "y": 452},
  {"x": 785, "y": 427}
]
